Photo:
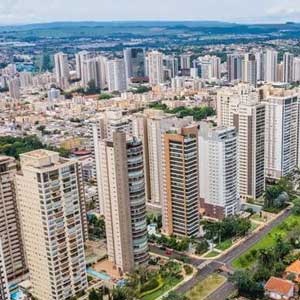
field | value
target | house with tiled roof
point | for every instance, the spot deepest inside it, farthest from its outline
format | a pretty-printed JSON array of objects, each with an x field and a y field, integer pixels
[
  {"x": 292, "y": 272},
  {"x": 279, "y": 289}
]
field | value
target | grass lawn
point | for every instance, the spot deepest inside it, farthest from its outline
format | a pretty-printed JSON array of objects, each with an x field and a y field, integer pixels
[
  {"x": 168, "y": 284},
  {"x": 268, "y": 240},
  {"x": 212, "y": 254},
  {"x": 206, "y": 287},
  {"x": 224, "y": 245}
]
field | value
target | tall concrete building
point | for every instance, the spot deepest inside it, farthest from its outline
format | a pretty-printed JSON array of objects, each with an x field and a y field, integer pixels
[
  {"x": 80, "y": 57},
  {"x": 259, "y": 57},
  {"x": 181, "y": 182},
  {"x": 218, "y": 169},
  {"x": 62, "y": 71},
  {"x": 94, "y": 69},
  {"x": 10, "y": 231},
  {"x": 116, "y": 75},
  {"x": 52, "y": 209},
  {"x": 270, "y": 65},
  {"x": 155, "y": 67},
  {"x": 135, "y": 60},
  {"x": 156, "y": 124},
  {"x": 103, "y": 128},
  {"x": 124, "y": 199},
  {"x": 171, "y": 66},
  {"x": 4, "y": 288},
  {"x": 249, "y": 119},
  {"x": 185, "y": 61},
  {"x": 288, "y": 67},
  {"x": 282, "y": 132},
  {"x": 210, "y": 67},
  {"x": 296, "y": 69},
  {"x": 14, "y": 88},
  {"x": 250, "y": 69},
  {"x": 234, "y": 67}
]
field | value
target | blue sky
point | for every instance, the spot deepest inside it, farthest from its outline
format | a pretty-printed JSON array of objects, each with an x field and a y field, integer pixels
[{"x": 32, "y": 11}]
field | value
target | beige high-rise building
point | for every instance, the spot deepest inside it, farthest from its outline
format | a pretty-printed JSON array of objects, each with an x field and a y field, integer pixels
[
  {"x": 181, "y": 182},
  {"x": 249, "y": 120},
  {"x": 10, "y": 232},
  {"x": 156, "y": 123},
  {"x": 52, "y": 212},
  {"x": 240, "y": 107},
  {"x": 4, "y": 289},
  {"x": 123, "y": 188}
]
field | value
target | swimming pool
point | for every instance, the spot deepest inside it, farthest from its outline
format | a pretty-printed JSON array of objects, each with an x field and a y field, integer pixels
[
  {"x": 99, "y": 275},
  {"x": 16, "y": 295}
]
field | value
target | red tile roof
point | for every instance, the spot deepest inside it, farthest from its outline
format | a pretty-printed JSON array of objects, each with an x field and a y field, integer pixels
[
  {"x": 294, "y": 267},
  {"x": 279, "y": 285}
]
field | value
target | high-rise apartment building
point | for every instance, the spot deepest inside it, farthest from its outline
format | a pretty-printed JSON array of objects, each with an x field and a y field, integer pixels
[
  {"x": 249, "y": 120},
  {"x": 4, "y": 288},
  {"x": 62, "y": 71},
  {"x": 282, "y": 132},
  {"x": 218, "y": 169},
  {"x": 270, "y": 65},
  {"x": 14, "y": 88},
  {"x": 116, "y": 75},
  {"x": 185, "y": 61},
  {"x": 181, "y": 182},
  {"x": 135, "y": 60},
  {"x": 288, "y": 67},
  {"x": 80, "y": 57},
  {"x": 124, "y": 199},
  {"x": 10, "y": 231},
  {"x": 103, "y": 128},
  {"x": 234, "y": 67},
  {"x": 53, "y": 219},
  {"x": 250, "y": 69},
  {"x": 155, "y": 67}
]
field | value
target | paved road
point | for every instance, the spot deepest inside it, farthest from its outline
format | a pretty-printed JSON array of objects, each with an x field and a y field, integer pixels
[{"x": 225, "y": 290}]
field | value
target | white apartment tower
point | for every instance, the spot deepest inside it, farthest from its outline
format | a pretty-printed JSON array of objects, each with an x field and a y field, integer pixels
[
  {"x": 116, "y": 75},
  {"x": 124, "y": 199},
  {"x": 62, "y": 71},
  {"x": 270, "y": 65},
  {"x": 50, "y": 198},
  {"x": 155, "y": 67},
  {"x": 288, "y": 66},
  {"x": 10, "y": 231},
  {"x": 218, "y": 169},
  {"x": 282, "y": 132}
]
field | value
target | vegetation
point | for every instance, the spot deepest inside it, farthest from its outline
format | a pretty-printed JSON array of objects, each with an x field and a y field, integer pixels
[
  {"x": 171, "y": 242},
  {"x": 231, "y": 227},
  {"x": 141, "y": 90},
  {"x": 201, "y": 247},
  {"x": 14, "y": 146},
  {"x": 148, "y": 285},
  {"x": 96, "y": 227},
  {"x": 212, "y": 254},
  {"x": 204, "y": 288},
  {"x": 156, "y": 219},
  {"x": 276, "y": 195},
  {"x": 188, "y": 269},
  {"x": 224, "y": 245},
  {"x": 105, "y": 96},
  {"x": 198, "y": 113},
  {"x": 175, "y": 296},
  {"x": 288, "y": 231}
]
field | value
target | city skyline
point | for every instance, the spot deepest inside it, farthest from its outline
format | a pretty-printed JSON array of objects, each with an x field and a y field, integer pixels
[{"x": 31, "y": 11}]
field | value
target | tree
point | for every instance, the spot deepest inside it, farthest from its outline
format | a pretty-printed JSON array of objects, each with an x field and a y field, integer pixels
[
  {"x": 296, "y": 207},
  {"x": 175, "y": 296},
  {"x": 246, "y": 285}
]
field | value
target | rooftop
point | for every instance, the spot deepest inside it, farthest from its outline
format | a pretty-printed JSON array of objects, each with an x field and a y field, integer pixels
[
  {"x": 279, "y": 285},
  {"x": 294, "y": 267}
]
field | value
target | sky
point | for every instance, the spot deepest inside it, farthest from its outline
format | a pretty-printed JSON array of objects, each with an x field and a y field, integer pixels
[{"x": 243, "y": 11}]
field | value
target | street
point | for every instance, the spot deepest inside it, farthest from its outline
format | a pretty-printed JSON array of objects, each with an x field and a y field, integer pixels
[{"x": 227, "y": 288}]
